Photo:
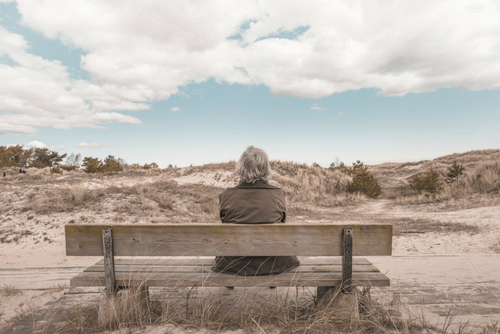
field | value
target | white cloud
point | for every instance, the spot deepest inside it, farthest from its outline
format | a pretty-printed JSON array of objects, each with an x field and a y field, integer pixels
[
  {"x": 35, "y": 144},
  {"x": 315, "y": 106},
  {"x": 94, "y": 145},
  {"x": 138, "y": 52},
  {"x": 175, "y": 109},
  {"x": 39, "y": 92}
]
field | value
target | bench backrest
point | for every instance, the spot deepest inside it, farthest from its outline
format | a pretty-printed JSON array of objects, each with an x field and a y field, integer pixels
[{"x": 229, "y": 239}]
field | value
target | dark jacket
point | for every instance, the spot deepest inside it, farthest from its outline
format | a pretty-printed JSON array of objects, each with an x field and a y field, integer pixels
[{"x": 257, "y": 203}]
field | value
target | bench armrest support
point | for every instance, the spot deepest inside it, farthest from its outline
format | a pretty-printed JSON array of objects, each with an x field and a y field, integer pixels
[
  {"x": 347, "y": 260},
  {"x": 109, "y": 261}
]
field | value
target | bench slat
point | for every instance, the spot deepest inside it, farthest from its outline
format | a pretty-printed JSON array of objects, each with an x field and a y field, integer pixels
[
  {"x": 220, "y": 280},
  {"x": 229, "y": 239},
  {"x": 209, "y": 261},
  {"x": 207, "y": 269}
]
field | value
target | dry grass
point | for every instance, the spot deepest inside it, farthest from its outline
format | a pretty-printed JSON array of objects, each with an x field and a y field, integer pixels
[
  {"x": 496, "y": 247},
  {"x": 160, "y": 201},
  {"x": 9, "y": 290},
  {"x": 478, "y": 187},
  {"x": 402, "y": 226},
  {"x": 262, "y": 313},
  {"x": 309, "y": 187},
  {"x": 271, "y": 313}
]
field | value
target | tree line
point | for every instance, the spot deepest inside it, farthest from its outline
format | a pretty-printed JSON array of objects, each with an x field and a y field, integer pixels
[{"x": 17, "y": 156}]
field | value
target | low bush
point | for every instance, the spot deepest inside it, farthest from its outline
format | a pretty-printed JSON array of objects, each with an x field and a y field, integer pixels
[
  {"x": 110, "y": 165},
  {"x": 363, "y": 181},
  {"x": 56, "y": 170},
  {"x": 454, "y": 172},
  {"x": 429, "y": 184},
  {"x": 69, "y": 168}
]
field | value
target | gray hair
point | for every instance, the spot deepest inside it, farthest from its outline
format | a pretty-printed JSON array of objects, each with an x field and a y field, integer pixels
[{"x": 254, "y": 165}]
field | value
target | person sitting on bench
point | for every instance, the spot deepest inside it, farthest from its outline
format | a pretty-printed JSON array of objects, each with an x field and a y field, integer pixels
[{"x": 253, "y": 201}]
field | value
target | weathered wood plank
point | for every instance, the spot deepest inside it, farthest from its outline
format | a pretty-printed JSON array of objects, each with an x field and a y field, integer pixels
[
  {"x": 229, "y": 239},
  {"x": 347, "y": 260},
  {"x": 109, "y": 261},
  {"x": 217, "y": 279},
  {"x": 192, "y": 261},
  {"x": 135, "y": 268}
]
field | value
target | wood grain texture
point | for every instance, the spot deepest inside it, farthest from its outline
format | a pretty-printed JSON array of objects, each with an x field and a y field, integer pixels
[
  {"x": 109, "y": 261},
  {"x": 207, "y": 269},
  {"x": 347, "y": 260},
  {"x": 229, "y": 239},
  {"x": 216, "y": 279},
  {"x": 193, "y": 261}
]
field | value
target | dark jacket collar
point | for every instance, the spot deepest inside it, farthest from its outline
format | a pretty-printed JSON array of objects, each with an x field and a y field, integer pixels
[{"x": 257, "y": 185}]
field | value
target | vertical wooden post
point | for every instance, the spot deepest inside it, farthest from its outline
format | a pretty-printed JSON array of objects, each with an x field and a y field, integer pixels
[
  {"x": 109, "y": 261},
  {"x": 347, "y": 260}
]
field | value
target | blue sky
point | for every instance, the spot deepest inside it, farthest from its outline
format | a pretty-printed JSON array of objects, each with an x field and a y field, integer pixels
[{"x": 198, "y": 83}]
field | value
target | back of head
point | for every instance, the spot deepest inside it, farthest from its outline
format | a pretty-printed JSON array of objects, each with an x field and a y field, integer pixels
[{"x": 254, "y": 165}]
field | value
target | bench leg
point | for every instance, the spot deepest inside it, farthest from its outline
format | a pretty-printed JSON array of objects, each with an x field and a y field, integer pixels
[
  {"x": 322, "y": 292},
  {"x": 128, "y": 303}
]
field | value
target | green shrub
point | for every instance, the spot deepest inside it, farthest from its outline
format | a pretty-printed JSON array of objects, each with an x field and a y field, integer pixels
[
  {"x": 69, "y": 168},
  {"x": 56, "y": 170},
  {"x": 111, "y": 165},
  {"x": 362, "y": 180},
  {"x": 429, "y": 184},
  {"x": 150, "y": 166},
  {"x": 455, "y": 171},
  {"x": 92, "y": 165}
]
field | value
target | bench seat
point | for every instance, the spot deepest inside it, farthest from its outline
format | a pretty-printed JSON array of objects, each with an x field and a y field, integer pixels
[{"x": 189, "y": 272}]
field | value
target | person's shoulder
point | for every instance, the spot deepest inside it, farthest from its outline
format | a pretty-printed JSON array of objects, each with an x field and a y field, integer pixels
[{"x": 227, "y": 192}]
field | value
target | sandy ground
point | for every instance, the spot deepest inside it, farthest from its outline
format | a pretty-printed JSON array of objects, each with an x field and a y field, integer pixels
[{"x": 44, "y": 243}]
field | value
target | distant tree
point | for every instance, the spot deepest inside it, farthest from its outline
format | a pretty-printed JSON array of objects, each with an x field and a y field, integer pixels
[
  {"x": 316, "y": 164},
  {"x": 111, "y": 165},
  {"x": 43, "y": 157},
  {"x": 14, "y": 156},
  {"x": 455, "y": 171},
  {"x": 337, "y": 164},
  {"x": 92, "y": 165},
  {"x": 72, "y": 162},
  {"x": 135, "y": 166},
  {"x": 429, "y": 183}
]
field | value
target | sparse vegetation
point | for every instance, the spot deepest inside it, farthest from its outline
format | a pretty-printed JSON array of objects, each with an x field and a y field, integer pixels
[
  {"x": 307, "y": 187},
  {"x": 72, "y": 162},
  {"x": 428, "y": 184},
  {"x": 254, "y": 313},
  {"x": 17, "y": 156},
  {"x": 56, "y": 170},
  {"x": 9, "y": 290},
  {"x": 455, "y": 171},
  {"x": 363, "y": 181},
  {"x": 110, "y": 165}
]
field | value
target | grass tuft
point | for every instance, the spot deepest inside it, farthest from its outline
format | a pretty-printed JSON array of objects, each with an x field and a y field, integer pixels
[{"x": 9, "y": 290}]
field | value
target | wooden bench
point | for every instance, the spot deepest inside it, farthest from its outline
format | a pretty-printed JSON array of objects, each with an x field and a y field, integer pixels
[{"x": 330, "y": 248}]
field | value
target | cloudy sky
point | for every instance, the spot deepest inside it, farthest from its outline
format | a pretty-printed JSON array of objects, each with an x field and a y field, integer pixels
[{"x": 193, "y": 82}]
